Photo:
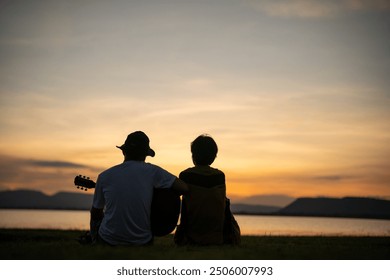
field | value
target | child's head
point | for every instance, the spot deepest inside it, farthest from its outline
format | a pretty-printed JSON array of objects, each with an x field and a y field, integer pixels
[{"x": 204, "y": 150}]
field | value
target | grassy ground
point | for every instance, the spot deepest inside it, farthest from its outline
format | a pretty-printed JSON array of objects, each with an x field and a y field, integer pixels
[{"x": 60, "y": 245}]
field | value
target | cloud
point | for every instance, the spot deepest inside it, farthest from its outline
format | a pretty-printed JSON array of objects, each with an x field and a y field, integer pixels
[
  {"x": 331, "y": 178},
  {"x": 297, "y": 178},
  {"x": 367, "y": 4},
  {"x": 316, "y": 8},
  {"x": 44, "y": 175},
  {"x": 61, "y": 164}
]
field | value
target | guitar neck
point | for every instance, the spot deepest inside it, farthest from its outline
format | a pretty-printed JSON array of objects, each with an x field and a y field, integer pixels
[{"x": 84, "y": 182}]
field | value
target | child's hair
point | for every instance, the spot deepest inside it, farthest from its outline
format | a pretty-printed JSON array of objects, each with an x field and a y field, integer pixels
[{"x": 204, "y": 150}]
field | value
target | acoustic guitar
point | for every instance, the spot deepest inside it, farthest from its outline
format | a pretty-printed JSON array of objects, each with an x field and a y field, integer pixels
[{"x": 165, "y": 206}]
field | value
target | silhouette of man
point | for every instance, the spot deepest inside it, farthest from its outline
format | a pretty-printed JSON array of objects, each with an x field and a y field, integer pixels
[{"x": 125, "y": 192}]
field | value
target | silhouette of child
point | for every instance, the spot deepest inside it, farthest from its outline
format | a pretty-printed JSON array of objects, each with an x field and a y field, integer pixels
[{"x": 203, "y": 208}]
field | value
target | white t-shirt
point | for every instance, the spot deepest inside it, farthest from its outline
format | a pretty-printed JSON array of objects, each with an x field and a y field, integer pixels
[{"x": 126, "y": 193}]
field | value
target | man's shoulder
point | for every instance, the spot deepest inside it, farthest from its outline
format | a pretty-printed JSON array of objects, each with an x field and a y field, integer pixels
[
  {"x": 134, "y": 167},
  {"x": 110, "y": 170},
  {"x": 148, "y": 168},
  {"x": 148, "y": 165}
]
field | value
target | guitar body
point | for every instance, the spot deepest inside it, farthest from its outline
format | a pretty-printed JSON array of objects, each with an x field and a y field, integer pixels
[
  {"x": 165, "y": 207},
  {"x": 165, "y": 211}
]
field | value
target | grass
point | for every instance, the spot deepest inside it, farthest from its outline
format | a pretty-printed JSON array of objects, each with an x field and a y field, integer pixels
[{"x": 19, "y": 244}]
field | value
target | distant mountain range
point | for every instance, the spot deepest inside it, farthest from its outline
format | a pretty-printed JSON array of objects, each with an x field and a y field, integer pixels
[
  {"x": 269, "y": 200},
  {"x": 240, "y": 208},
  {"x": 26, "y": 199},
  {"x": 332, "y": 207},
  {"x": 339, "y": 207}
]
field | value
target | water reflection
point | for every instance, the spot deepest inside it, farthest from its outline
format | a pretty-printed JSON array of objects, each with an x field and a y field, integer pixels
[{"x": 250, "y": 225}]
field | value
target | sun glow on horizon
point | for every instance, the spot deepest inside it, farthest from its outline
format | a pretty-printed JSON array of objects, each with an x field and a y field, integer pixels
[{"x": 295, "y": 94}]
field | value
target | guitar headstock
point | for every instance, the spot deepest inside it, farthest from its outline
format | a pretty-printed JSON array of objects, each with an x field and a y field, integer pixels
[{"x": 84, "y": 182}]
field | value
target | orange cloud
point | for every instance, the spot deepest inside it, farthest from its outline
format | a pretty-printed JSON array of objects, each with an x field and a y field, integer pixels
[
  {"x": 44, "y": 175},
  {"x": 316, "y": 8}
]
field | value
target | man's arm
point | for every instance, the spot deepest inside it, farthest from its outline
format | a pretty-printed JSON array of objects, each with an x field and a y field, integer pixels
[
  {"x": 180, "y": 187},
  {"x": 96, "y": 214},
  {"x": 96, "y": 219}
]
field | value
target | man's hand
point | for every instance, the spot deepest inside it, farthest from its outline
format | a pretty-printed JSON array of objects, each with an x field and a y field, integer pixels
[{"x": 180, "y": 187}]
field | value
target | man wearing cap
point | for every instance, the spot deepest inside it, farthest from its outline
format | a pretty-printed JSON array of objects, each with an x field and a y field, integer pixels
[{"x": 125, "y": 192}]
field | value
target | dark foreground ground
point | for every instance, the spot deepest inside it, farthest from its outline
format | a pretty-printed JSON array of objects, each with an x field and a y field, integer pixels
[{"x": 62, "y": 245}]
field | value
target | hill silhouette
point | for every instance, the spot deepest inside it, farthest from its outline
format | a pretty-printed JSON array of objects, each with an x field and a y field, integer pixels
[
  {"x": 336, "y": 207},
  {"x": 240, "y": 208},
  {"x": 264, "y": 199},
  {"x": 26, "y": 199},
  {"x": 330, "y": 207}
]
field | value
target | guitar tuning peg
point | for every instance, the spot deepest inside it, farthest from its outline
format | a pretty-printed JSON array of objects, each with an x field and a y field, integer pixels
[
  {"x": 87, "y": 178},
  {"x": 84, "y": 177},
  {"x": 82, "y": 188},
  {"x": 85, "y": 189},
  {"x": 78, "y": 187}
]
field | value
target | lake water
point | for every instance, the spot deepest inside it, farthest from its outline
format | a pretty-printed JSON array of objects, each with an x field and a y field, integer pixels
[{"x": 250, "y": 225}]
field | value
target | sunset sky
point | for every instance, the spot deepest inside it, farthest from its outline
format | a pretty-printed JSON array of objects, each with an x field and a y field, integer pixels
[{"x": 296, "y": 93}]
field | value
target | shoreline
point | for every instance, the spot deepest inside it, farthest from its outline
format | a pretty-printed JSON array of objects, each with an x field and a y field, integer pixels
[{"x": 386, "y": 217}]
